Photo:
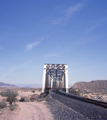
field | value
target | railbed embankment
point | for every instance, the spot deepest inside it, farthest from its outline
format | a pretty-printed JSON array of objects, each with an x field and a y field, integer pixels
[{"x": 65, "y": 108}]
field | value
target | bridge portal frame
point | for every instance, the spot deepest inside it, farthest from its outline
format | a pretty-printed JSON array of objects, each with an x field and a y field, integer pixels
[{"x": 48, "y": 83}]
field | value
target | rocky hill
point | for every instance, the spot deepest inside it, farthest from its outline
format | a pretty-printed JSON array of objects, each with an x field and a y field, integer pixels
[
  {"x": 94, "y": 86},
  {"x": 6, "y": 85}
]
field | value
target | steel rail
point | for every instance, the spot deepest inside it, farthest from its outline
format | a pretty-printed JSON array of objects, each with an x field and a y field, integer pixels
[{"x": 95, "y": 102}]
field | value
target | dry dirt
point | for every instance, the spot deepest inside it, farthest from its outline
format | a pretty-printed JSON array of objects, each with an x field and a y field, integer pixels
[
  {"x": 33, "y": 111},
  {"x": 27, "y": 110}
]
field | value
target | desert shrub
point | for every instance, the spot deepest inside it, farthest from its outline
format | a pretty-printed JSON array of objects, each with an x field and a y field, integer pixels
[
  {"x": 74, "y": 92},
  {"x": 24, "y": 99},
  {"x": 11, "y": 95},
  {"x": 3, "y": 104},
  {"x": 12, "y": 107},
  {"x": 33, "y": 91}
]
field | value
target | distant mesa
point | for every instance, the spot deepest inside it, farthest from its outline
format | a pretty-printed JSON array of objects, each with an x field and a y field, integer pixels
[
  {"x": 93, "y": 86},
  {"x": 20, "y": 85},
  {"x": 29, "y": 85},
  {"x": 6, "y": 85}
]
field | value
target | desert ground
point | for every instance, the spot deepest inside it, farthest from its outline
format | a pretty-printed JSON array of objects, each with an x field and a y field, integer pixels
[{"x": 27, "y": 110}]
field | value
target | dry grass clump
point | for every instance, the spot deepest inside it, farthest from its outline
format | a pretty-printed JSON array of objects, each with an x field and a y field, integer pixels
[
  {"x": 3, "y": 104},
  {"x": 12, "y": 107}
]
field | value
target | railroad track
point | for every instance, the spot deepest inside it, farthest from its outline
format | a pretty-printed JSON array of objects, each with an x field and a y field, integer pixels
[
  {"x": 71, "y": 107},
  {"x": 95, "y": 102}
]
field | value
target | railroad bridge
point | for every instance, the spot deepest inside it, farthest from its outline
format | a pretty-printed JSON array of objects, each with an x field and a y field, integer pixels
[
  {"x": 55, "y": 76},
  {"x": 66, "y": 105}
]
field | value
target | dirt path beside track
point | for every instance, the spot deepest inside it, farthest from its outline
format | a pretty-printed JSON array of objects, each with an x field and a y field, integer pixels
[{"x": 33, "y": 111}]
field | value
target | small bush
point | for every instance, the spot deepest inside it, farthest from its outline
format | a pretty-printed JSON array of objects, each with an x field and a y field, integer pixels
[
  {"x": 12, "y": 107},
  {"x": 3, "y": 104},
  {"x": 24, "y": 99},
  {"x": 73, "y": 91},
  {"x": 11, "y": 95},
  {"x": 33, "y": 91}
]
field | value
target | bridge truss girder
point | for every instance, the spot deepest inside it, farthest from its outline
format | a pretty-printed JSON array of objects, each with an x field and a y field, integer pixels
[{"x": 55, "y": 76}]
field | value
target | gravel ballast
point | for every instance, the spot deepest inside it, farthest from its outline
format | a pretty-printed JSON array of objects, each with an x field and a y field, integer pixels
[{"x": 65, "y": 108}]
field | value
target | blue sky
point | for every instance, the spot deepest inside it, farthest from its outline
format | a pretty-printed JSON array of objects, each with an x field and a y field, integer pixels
[{"x": 72, "y": 32}]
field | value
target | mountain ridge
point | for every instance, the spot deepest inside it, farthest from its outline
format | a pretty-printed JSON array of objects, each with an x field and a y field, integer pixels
[
  {"x": 6, "y": 85},
  {"x": 91, "y": 86},
  {"x": 2, "y": 84}
]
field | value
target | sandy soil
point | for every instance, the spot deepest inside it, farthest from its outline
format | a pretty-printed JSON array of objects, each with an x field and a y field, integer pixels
[
  {"x": 26, "y": 110},
  {"x": 28, "y": 93},
  {"x": 1, "y": 98},
  {"x": 33, "y": 111}
]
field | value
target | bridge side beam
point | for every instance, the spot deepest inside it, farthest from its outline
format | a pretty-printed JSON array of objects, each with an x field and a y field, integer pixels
[
  {"x": 66, "y": 78},
  {"x": 44, "y": 79}
]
